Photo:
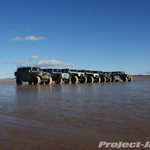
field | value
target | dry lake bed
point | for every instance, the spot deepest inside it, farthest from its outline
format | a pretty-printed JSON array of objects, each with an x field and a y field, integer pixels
[{"x": 73, "y": 117}]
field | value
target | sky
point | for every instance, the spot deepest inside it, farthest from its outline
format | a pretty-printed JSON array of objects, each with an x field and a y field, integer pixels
[{"x": 105, "y": 35}]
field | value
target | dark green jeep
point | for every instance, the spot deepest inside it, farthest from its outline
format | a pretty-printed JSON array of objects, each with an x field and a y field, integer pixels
[
  {"x": 125, "y": 77},
  {"x": 32, "y": 75}
]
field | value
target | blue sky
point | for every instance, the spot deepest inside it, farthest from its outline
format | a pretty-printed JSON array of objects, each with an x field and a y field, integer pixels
[{"x": 105, "y": 35}]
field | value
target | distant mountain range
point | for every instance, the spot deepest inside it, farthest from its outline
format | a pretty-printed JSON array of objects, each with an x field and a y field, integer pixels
[
  {"x": 6, "y": 79},
  {"x": 140, "y": 75}
]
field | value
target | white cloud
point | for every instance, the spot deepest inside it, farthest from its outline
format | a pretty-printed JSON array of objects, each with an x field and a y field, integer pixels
[
  {"x": 27, "y": 61},
  {"x": 17, "y": 39},
  {"x": 33, "y": 58},
  {"x": 9, "y": 74},
  {"x": 27, "y": 38},
  {"x": 52, "y": 63},
  {"x": 46, "y": 56},
  {"x": 42, "y": 63},
  {"x": 144, "y": 73},
  {"x": 27, "y": 30},
  {"x": 88, "y": 12},
  {"x": 5, "y": 63},
  {"x": 33, "y": 38}
]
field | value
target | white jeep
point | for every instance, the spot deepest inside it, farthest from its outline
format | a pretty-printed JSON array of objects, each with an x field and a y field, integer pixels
[
  {"x": 91, "y": 77},
  {"x": 70, "y": 75}
]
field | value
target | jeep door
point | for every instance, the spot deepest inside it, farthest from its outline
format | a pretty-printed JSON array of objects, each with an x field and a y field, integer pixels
[{"x": 27, "y": 74}]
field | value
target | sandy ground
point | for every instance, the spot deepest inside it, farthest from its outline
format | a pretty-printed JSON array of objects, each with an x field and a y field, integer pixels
[{"x": 73, "y": 117}]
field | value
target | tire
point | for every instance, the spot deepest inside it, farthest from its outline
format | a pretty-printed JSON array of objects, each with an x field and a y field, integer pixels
[
  {"x": 103, "y": 79},
  {"x": 130, "y": 80},
  {"x": 49, "y": 81},
  {"x": 19, "y": 81},
  {"x": 90, "y": 79},
  {"x": 109, "y": 80},
  {"x": 125, "y": 79},
  {"x": 30, "y": 82},
  {"x": 67, "y": 81},
  {"x": 84, "y": 80},
  {"x": 58, "y": 81},
  {"x": 113, "y": 80},
  {"x": 36, "y": 80},
  {"x": 98, "y": 80},
  {"x": 74, "y": 79}
]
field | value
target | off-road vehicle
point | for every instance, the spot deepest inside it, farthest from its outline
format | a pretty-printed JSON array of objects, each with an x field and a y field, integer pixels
[
  {"x": 56, "y": 74},
  {"x": 125, "y": 77},
  {"x": 73, "y": 76},
  {"x": 91, "y": 76},
  {"x": 114, "y": 78},
  {"x": 65, "y": 76},
  {"x": 104, "y": 77},
  {"x": 33, "y": 75}
]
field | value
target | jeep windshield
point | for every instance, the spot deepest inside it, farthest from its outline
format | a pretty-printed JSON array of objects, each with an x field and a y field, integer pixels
[
  {"x": 36, "y": 69},
  {"x": 122, "y": 72},
  {"x": 88, "y": 71},
  {"x": 107, "y": 73},
  {"x": 95, "y": 71},
  {"x": 73, "y": 70},
  {"x": 118, "y": 73},
  {"x": 81, "y": 70},
  {"x": 56, "y": 70}
]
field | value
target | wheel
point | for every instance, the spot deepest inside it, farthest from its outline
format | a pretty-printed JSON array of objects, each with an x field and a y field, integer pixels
[
  {"x": 125, "y": 79},
  {"x": 103, "y": 79},
  {"x": 74, "y": 79},
  {"x": 19, "y": 81},
  {"x": 58, "y": 81},
  {"x": 49, "y": 81},
  {"x": 67, "y": 81},
  {"x": 130, "y": 79},
  {"x": 84, "y": 80},
  {"x": 98, "y": 80},
  {"x": 36, "y": 80},
  {"x": 30, "y": 82},
  {"x": 113, "y": 80},
  {"x": 90, "y": 79},
  {"x": 109, "y": 80}
]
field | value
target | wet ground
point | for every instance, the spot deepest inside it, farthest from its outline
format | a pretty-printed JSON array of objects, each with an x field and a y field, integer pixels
[{"x": 72, "y": 117}]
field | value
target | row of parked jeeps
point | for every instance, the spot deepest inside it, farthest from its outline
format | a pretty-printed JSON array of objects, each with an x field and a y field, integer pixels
[{"x": 36, "y": 75}]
